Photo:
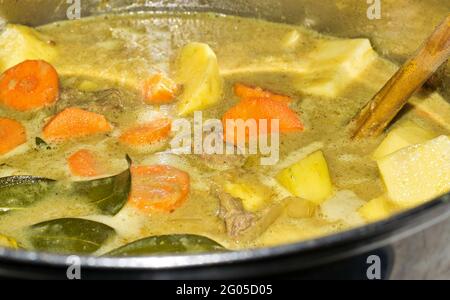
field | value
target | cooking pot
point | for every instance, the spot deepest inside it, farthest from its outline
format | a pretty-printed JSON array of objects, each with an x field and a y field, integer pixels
[{"x": 409, "y": 245}]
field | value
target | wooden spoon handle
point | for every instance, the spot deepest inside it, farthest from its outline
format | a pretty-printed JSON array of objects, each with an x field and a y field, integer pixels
[{"x": 381, "y": 110}]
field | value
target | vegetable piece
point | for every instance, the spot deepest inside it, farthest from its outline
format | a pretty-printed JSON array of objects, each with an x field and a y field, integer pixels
[
  {"x": 261, "y": 109},
  {"x": 75, "y": 123},
  {"x": 83, "y": 163},
  {"x": 417, "y": 173},
  {"x": 263, "y": 221},
  {"x": 308, "y": 179},
  {"x": 300, "y": 208},
  {"x": 343, "y": 207},
  {"x": 334, "y": 64},
  {"x": 377, "y": 209},
  {"x": 147, "y": 134},
  {"x": 291, "y": 40},
  {"x": 406, "y": 134},
  {"x": 30, "y": 85},
  {"x": 179, "y": 243},
  {"x": 18, "y": 192},
  {"x": 159, "y": 89},
  {"x": 158, "y": 188},
  {"x": 69, "y": 236},
  {"x": 246, "y": 92},
  {"x": 8, "y": 242},
  {"x": 198, "y": 73},
  {"x": 109, "y": 195},
  {"x": 12, "y": 135},
  {"x": 19, "y": 43},
  {"x": 254, "y": 196}
]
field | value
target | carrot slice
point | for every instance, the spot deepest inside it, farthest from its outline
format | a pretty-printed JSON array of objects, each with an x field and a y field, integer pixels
[
  {"x": 246, "y": 92},
  {"x": 158, "y": 188},
  {"x": 159, "y": 89},
  {"x": 12, "y": 135},
  {"x": 29, "y": 85},
  {"x": 259, "y": 109},
  {"x": 84, "y": 163},
  {"x": 75, "y": 123},
  {"x": 147, "y": 134}
]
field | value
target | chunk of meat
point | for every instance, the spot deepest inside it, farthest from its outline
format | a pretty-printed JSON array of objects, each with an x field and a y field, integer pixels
[
  {"x": 222, "y": 162},
  {"x": 107, "y": 102},
  {"x": 237, "y": 220}
]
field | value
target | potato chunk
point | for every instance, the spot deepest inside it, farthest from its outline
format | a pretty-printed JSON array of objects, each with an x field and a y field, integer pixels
[
  {"x": 198, "y": 73},
  {"x": 406, "y": 134},
  {"x": 8, "y": 242},
  {"x": 377, "y": 209},
  {"x": 418, "y": 173},
  {"x": 334, "y": 64},
  {"x": 308, "y": 179},
  {"x": 300, "y": 208},
  {"x": 254, "y": 196},
  {"x": 343, "y": 207},
  {"x": 19, "y": 43}
]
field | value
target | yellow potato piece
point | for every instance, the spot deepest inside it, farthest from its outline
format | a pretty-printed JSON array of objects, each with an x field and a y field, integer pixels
[
  {"x": 19, "y": 43},
  {"x": 406, "y": 134},
  {"x": 327, "y": 70},
  {"x": 334, "y": 64},
  {"x": 8, "y": 242},
  {"x": 198, "y": 73},
  {"x": 418, "y": 173},
  {"x": 308, "y": 179},
  {"x": 377, "y": 209},
  {"x": 254, "y": 197},
  {"x": 300, "y": 208}
]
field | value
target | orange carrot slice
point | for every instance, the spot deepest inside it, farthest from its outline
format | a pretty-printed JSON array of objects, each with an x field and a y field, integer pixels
[
  {"x": 159, "y": 89},
  {"x": 84, "y": 163},
  {"x": 158, "y": 188},
  {"x": 147, "y": 134},
  {"x": 12, "y": 135},
  {"x": 29, "y": 85},
  {"x": 259, "y": 109},
  {"x": 246, "y": 92},
  {"x": 75, "y": 123}
]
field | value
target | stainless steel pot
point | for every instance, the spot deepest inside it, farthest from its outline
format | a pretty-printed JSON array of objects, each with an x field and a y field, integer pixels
[{"x": 403, "y": 24}]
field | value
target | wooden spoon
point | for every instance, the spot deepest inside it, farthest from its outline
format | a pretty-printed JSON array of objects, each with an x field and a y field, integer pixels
[{"x": 381, "y": 110}]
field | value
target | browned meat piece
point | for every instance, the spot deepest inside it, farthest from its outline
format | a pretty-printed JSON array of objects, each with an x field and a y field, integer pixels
[
  {"x": 242, "y": 224},
  {"x": 237, "y": 220},
  {"x": 105, "y": 101},
  {"x": 223, "y": 162}
]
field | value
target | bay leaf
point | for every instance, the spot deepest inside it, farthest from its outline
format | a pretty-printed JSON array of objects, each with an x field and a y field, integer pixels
[
  {"x": 19, "y": 192},
  {"x": 69, "y": 236},
  {"x": 109, "y": 195},
  {"x": 164, "y": 244}
]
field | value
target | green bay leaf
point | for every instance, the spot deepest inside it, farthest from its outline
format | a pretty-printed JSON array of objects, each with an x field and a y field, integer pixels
[
  {"x": 174, "y": 244},
  {"x": 109, "y": 195},
  {"x": 19, "y": 192},
  {"x": 68, "y": 236}
]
